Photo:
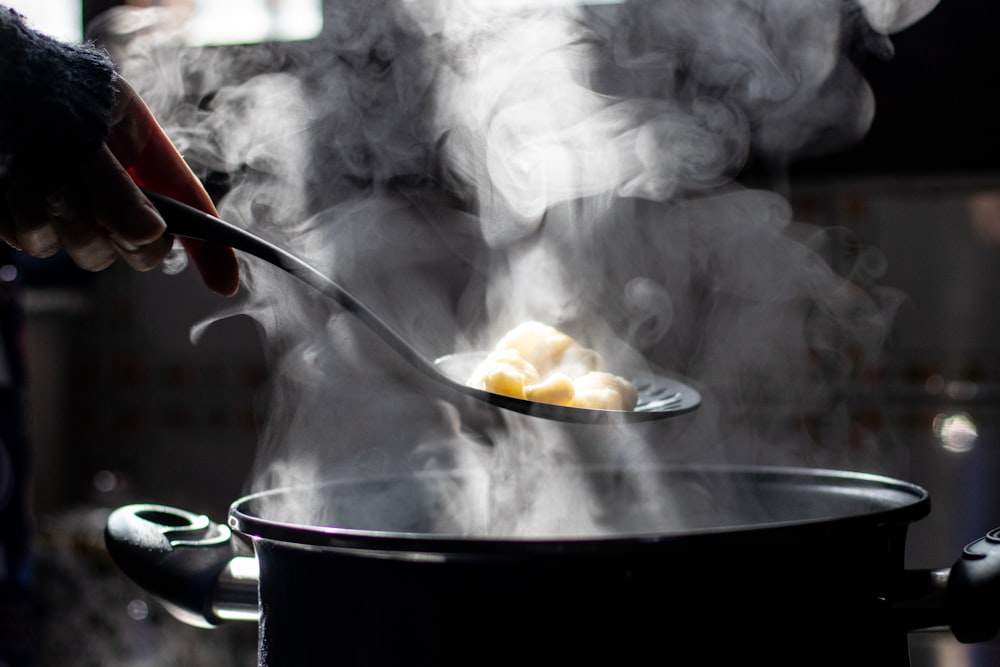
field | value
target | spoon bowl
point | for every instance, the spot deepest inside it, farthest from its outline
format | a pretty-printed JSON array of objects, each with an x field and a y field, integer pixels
[{"x": 659, "y": 396}]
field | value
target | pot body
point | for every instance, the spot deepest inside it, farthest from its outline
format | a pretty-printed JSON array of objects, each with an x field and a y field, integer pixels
[
  {"x": 321, "y": 608},
  {"x": 815, "y": 591}
]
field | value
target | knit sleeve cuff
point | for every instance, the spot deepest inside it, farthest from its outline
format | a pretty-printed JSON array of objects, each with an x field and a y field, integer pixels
[{"x": 57, "y": 104}]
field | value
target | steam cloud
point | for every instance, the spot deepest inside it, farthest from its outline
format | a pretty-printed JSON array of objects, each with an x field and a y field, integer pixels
[{"x": 467, "y": 164}]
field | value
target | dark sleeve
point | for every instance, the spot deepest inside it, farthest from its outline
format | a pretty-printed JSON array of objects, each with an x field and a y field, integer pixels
[{"x": 56, "y": 101}]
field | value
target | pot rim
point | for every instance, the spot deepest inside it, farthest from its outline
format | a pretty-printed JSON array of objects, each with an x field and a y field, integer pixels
[{"x": 893, "y": 501}]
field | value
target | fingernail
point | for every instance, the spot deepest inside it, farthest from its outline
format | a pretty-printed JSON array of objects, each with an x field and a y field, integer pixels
[{"x": 40, "y": 242}]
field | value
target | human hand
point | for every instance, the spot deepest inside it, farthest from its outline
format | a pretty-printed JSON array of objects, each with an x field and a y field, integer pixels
[{"x": 101, "y": 215}]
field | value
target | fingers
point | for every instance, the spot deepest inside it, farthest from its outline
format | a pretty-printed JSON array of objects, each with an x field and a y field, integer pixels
[
  {"x": 143, "y": 148},
  {"x": 26, "y": 225},
  {"x": 99, "y": 216},
  {"x": 130, "y": 222},
  {"x": 41, "y": 230},
  {"x": 72, "y": 224}
]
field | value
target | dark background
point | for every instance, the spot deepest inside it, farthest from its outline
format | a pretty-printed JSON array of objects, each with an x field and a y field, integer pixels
[{"x": 936, "y": 109}]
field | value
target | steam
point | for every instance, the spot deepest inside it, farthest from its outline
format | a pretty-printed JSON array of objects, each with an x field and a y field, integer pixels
[
  {"x": 466, "y": 165},
  {"x": 888, "y": 16}
]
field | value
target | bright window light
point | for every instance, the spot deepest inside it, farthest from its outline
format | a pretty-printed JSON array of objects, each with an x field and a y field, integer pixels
[
  {"x": 62, "y": 19},
  {"x": 211, "y": 22},
  {"x": 250, "y": 21}
]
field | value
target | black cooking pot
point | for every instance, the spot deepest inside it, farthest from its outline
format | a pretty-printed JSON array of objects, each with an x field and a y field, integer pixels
[{"x": 786, "y": 566}]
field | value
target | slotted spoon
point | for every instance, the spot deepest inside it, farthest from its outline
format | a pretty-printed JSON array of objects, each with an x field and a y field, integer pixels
[{"x": 659, "y": 396}]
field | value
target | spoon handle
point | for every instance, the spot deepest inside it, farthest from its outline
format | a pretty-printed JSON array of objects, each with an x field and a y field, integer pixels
[
  {"x": 659, "y": 397},
  {"x": 189, "y": 222}
]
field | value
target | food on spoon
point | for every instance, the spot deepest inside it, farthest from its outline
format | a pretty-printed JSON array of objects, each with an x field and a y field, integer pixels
[
  {"x": 604, "y": 391},
  {"x": 538, "y": 362}
]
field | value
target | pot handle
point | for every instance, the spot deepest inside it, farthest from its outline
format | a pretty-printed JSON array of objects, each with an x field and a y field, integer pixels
[
  {"x": 190, "y": 563},
  {"x": 973, "y": 592}
]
